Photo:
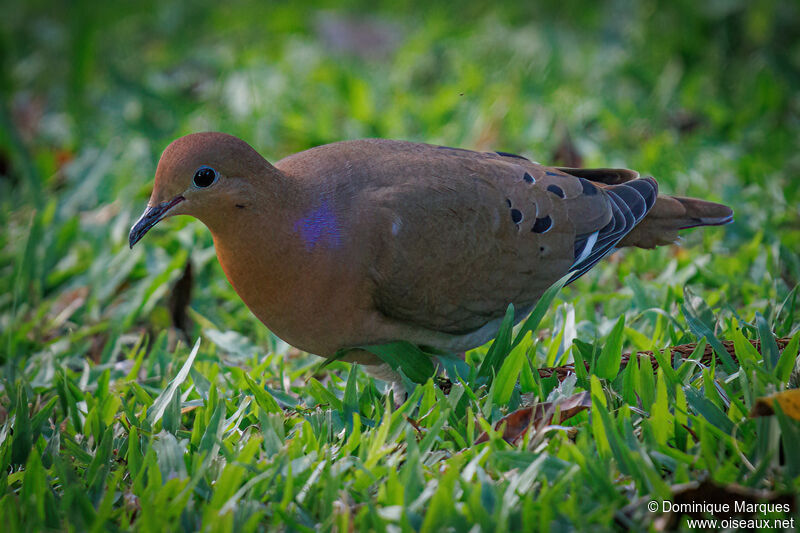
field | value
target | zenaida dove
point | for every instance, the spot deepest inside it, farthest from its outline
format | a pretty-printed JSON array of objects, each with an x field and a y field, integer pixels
[{"x": 371, "y": 241}]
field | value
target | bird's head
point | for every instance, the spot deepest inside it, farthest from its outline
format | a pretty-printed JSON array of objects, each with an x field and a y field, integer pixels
[{"x": 205, "y": 175}]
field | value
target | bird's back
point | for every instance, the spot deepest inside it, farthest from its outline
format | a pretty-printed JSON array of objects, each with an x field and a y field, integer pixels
[{"x": 456, "y": 235}]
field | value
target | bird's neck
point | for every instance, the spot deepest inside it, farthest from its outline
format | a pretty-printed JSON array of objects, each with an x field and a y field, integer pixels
[
  {"x": 263, "y": 249},
  {"x": 253, "y": 232}
]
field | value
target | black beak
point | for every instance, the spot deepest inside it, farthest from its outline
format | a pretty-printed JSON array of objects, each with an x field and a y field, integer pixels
[{"x": 150, "y": 218}]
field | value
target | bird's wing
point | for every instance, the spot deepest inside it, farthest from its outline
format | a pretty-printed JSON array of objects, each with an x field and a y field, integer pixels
[{"x": 458, "y": 235}]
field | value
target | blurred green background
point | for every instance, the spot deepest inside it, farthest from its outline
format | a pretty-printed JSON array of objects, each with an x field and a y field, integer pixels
[{"x": 705, "y": 96}]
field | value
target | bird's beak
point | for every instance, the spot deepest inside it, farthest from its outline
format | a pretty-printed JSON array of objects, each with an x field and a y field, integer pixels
[{"x": 150, "y": 218}]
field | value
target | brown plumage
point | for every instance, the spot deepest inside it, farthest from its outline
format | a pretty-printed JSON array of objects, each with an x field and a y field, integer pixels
[{"x": 364, "y": 242}]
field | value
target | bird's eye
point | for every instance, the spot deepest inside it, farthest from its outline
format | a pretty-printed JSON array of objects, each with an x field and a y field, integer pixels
[{"x": 205, "y": 176}]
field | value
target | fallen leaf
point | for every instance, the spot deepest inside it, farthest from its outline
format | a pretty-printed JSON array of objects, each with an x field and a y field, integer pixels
[
  {"x": 789, "y": 400},
  {"x": 518, "y": 422}
]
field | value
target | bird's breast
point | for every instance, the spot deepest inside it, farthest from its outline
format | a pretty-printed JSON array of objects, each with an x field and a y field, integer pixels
[{"x": 300, "y": 281}]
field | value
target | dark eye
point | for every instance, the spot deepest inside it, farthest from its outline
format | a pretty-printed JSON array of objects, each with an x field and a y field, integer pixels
[{"x": 205, "y": 176}]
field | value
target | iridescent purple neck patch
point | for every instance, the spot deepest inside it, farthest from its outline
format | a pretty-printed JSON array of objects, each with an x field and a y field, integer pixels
[{"x": 319, "y": 227}]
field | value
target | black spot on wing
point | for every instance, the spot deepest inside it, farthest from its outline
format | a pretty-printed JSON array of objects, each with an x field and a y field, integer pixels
[
  {"x": 516, "y": 216},
  {"x": 555, "y": 189},
  {"x": 542, "y": 224},
  {"x": 528, "y": 178}
]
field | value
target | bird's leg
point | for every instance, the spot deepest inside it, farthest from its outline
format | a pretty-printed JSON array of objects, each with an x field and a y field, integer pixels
[{"x": 386, "y": 373}]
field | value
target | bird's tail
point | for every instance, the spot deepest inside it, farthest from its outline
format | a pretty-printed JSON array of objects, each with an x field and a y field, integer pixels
[{"x": 671, "y": 214}]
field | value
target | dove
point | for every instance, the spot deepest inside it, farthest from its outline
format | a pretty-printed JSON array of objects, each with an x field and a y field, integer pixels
[{"x": 372, "y": 241}]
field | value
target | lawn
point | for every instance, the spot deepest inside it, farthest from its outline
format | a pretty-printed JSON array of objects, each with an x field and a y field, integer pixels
[{"x": 139, "y": 393}]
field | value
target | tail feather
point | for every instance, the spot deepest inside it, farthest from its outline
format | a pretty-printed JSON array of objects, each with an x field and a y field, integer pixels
[
  {"x": 671, "y": 214},
  {"x": 703, "y": 213}
]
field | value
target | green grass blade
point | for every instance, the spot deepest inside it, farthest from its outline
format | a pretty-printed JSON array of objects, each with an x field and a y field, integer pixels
[
  {"x": 503, "y": 385},
  {"x": 769, "y": 348},
  {"x": 22, "y": 441},
  {"x": 499, "y": 348},
  {"x": 536, "y": 316},
  {"x": 786, "y": 363},
  {"x": 702, "y": 330},
  {"x": 263, "y": 398},
  {"x": 162, "y": 401},
  {"x": 414, "y": 363},
  {"x": 611, "y": 356}
]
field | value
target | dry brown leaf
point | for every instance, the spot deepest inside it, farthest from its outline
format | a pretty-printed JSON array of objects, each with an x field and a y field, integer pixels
[
  {"x": 518, "y": 422},
  {"x": 789, "y": 400}
]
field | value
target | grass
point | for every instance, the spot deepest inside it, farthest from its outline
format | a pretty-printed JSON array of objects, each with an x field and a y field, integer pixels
[{"x": 111, "y": 420}]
